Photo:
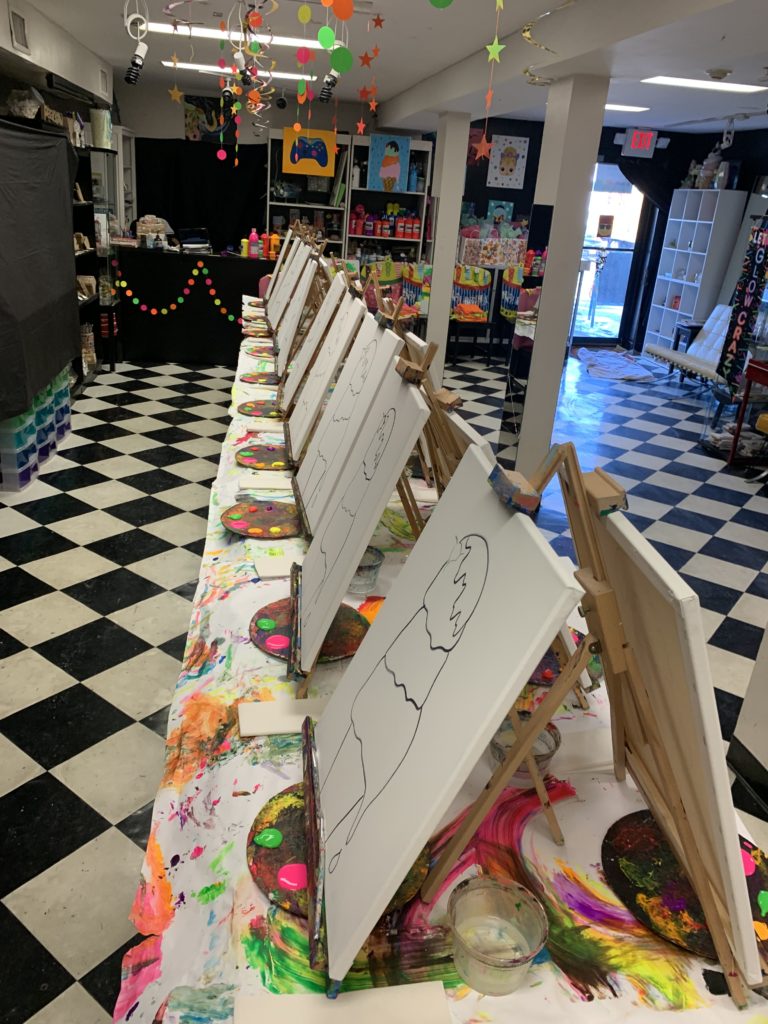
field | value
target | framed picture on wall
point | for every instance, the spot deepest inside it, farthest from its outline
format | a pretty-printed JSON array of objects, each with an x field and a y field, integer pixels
[
  {"x": 388, "y": 163},
  {"x": 309, "y": 152},
  {"x": 506, "y": 165}
]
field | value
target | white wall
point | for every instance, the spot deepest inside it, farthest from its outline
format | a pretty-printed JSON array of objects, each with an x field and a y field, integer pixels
[{"x": 147, "y": 109}]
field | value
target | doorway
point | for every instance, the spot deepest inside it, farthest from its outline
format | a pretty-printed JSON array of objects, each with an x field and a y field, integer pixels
[{"x": 606, "y": 257}]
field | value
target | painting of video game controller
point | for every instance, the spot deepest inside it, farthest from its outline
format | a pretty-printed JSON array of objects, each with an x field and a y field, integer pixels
[
  {"x": 313, "y": 154},
  {"x": 309, "y": 149}
]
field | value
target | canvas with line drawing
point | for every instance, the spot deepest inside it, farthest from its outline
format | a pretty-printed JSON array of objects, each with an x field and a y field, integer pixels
[
  {"x": 310, "y": 398},
  {"x": 360, "y": 496},
  {"x": 285, "y": 335},
  {"x": 412, "y": 714},
  {"x": 369, "y": 359},
  {"x": 315, "y": 337}
]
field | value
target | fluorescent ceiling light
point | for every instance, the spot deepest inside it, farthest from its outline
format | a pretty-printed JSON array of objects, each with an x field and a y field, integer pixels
[
  {"x": 214, "y": 69},
  {"x": 698, "y": 83},
  {"x": 201, "y": 32},
  {"x": 626, "y": 109}
]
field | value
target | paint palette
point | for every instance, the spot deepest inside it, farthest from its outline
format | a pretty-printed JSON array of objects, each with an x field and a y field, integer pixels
[
  {"x": 263, "y": 456},
  {"x": 268, "y": 379},
  {"x": 270, "y": 631},
  {"x": 262, "y": 520},
  {"x": 264, "y": 407},
  {"x": 277, "y": 855}
]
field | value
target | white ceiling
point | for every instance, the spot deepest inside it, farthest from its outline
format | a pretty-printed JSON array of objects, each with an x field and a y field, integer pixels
[{"x": 419, "y": 41}]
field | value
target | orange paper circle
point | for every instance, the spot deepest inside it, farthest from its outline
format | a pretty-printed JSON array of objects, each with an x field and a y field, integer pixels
[
  {"x": 297, "y": 126},
  {"x": 343, "y": 9}
]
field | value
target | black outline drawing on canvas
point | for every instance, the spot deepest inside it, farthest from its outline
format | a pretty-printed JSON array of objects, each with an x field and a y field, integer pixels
[
  {"x": 342, "y": 415},
  {"x": 340, "y": 523},
  {"x": 324, "y": 358},
  {"x": 385, "y": 714}
]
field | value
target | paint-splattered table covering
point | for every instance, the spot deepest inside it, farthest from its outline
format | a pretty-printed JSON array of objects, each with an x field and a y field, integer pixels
[{"x": 210, "y": 932}]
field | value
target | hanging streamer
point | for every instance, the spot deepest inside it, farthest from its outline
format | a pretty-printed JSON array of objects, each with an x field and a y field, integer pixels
[{"x": 200, "y": 274}]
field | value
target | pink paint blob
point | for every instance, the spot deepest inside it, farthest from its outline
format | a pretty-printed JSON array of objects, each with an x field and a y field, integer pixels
[
  {"x": 749, "y": 863},
  {"x": 197, "y": 852},
  {"x": 292, "y": 876},
  {"x": 238, "y": 524},
  {"x": 221, "y": 154},
  {"x": 277, "y": 642}
]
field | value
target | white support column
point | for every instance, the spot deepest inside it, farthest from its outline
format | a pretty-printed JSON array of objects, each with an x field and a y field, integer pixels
[
  {"x": 448, "y": 187},
  {"x": 574, "y": 118}
]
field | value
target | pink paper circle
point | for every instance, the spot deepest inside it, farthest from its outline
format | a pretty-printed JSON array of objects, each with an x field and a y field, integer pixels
[
  {"x": 222, "y": 62},
  {"x": 221, "y": 154},
  {"x": 303, "y": 55},
  {"x": 143, "y": 307},
  {"x": 208, "y": 281},
  {"x": 186, "y": 291}
]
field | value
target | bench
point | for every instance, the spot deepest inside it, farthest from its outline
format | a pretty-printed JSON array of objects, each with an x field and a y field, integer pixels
[{"x": 702, "y": 355}]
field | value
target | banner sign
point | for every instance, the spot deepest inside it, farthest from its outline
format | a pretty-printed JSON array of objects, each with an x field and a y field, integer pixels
[{"x": 746, "y": 301}]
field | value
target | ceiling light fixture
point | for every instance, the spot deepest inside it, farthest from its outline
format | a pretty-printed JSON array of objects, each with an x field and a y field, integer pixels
[
  {"x": 200, "y": 32},
  {"x": 698, "y": 83},
  {"x": 214, "y": 69},
  {"x": 625, "y": 108}
]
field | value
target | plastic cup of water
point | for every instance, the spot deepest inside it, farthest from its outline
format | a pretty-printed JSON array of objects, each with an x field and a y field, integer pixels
[{"x": 498, "y": 929}]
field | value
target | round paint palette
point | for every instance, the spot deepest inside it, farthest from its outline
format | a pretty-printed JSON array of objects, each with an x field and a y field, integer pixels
[
  {"x": 263, "y": 456},
  {"x": 266, "y": 407},
  {"x": 260, "y": 378},
  {"x": 262, "y": 520},
  {"x": 259, "y": 353},
  {"x": 277, "y": 855},
  {"x": 270, "y": 631}
]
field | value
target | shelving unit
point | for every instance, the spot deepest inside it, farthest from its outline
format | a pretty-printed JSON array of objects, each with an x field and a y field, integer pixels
[
  {"x": 698, "y": 240},
  {"x": 125, "y": 141},
  {"x": 312, "y": 194},
  {"x": 376, "y": 201},
  {"x": 334, "y": 221}
]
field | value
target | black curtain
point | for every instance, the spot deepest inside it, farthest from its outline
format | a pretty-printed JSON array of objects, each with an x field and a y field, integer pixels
[
  {"x": 187, "y": 184},
  {"x": 39, "y": 323}
]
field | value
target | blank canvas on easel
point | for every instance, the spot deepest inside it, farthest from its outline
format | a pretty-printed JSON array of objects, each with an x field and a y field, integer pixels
[
  {"x": 465, "y": 624},
  {"x": 290, "y": 276},
  {"x": 377, "y": 459},
  {"x": 285, "y": 335},
  {"x": 662, "y": 623},
  {"x": 369, "y": 359}
]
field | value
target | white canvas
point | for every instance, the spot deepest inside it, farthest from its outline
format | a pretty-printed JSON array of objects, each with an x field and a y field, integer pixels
[
  {"x": 381, "y": 449},
  {"x": 340, "y": 334},
  {"x": 413, "y": 714},
  {"x": 290, "y": 256},
  {"x": 314, "y": 337},
  {"x": 663, "y": 625},
  {"x": 370, "y": 358},
  {"x": 421, "y": 1003},
  {"x": 291, "y": 277},
  {"x": 278, "y": 265},
  {"x": 285, "y": 335}
]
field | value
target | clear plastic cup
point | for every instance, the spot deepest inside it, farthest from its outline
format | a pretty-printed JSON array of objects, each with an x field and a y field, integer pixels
[
  {"x": 498, "y": 929},
  {"x": 366, "y": 577}
]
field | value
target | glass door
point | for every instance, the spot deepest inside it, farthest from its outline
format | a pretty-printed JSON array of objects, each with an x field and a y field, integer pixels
[{"x": 606, "y": 257}]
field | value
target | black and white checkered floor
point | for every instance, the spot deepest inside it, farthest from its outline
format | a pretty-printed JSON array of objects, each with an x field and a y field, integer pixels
[{"x": 98, "y": 565}]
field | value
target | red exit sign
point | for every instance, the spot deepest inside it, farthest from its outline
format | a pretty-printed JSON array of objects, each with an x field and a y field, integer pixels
[{"x": 639, "y": 142}]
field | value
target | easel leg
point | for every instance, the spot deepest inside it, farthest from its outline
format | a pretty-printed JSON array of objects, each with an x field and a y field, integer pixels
[
  {"x": 538, "y": 782},
  {"x": 500, "y": 778},
  {"x": 409, "y": 505}
]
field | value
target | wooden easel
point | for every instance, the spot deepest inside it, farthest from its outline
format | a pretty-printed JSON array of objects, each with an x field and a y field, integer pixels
[{"x": 640, "y": 739}]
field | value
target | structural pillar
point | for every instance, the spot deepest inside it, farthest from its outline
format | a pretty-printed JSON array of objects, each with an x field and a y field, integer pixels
[
  {"x": 448, "y": 187},
  {"x": 574, "y": 119}
]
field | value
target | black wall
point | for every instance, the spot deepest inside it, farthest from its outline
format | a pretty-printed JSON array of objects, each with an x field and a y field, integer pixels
[{"x": 186, "y": 183}]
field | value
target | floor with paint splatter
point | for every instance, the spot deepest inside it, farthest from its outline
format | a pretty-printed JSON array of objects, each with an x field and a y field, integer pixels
[{"x": 99, "y": 561}]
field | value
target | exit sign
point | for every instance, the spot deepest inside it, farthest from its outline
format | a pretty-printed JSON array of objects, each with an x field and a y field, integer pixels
[{"x": 639, "y": 142}]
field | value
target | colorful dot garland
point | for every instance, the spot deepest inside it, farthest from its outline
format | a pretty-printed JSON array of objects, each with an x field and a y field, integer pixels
[{"x": 122, "y": 284}]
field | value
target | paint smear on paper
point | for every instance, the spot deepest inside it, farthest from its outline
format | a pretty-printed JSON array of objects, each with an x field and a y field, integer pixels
[
  {"x": 142, "y": 964},
  {"x": 210, "y": 892},
  {"x": 152, "y": 909}
]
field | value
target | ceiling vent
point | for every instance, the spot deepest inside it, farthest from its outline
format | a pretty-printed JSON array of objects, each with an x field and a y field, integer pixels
[{"x": 19, "y": 37}]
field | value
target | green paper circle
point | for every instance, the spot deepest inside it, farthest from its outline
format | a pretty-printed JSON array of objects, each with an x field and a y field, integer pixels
[
  {"x": 237, "y": 105},
  {"x": 230, "y": 316},
  {"x": 326, "y": 37},
  {"x": 441, "y": 4},
  {"x": 205, "y": 270},
  {"x": 135, "y": 302},
  {"x": 342, "y": 59},
  {"x": 180, "y": 299},
  {"x": 222, "y": 44},
  {"x": 255, "y": 46},
  {"x": 301, "y": 88}
]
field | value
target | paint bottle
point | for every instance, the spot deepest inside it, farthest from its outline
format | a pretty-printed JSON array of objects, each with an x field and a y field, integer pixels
[
  {"x": 265, "y": 244},
  {"x": 244, "y": 248},
  {"x": 368, "y": 228},
  {"x": 274, "y": 245},
  {"x": 416, "y": 227},
  {"x": 356, "y": 175},
  {"x": 253, "y": 245},
  {"x": 413, "y": 176}
]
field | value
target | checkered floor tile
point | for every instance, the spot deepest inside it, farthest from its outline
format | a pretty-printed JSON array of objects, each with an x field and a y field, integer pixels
[
  {"x": 99, "y": 561},
  {"x": 709, "y": 523}
]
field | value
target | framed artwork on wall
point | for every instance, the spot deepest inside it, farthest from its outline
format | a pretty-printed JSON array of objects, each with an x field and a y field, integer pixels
[
  {"x": 388, "y": 163},
  {"x": 506, "y": 165},
  {"x": 312, "y": 153}
]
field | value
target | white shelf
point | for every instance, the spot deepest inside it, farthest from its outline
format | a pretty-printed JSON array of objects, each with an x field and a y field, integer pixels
[{"x": 305, "y": 206}]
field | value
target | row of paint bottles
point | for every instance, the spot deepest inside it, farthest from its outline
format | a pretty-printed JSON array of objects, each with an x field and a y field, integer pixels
[
  {"x": 535, "y": 263},
  {"x": 258, "y": 247}
]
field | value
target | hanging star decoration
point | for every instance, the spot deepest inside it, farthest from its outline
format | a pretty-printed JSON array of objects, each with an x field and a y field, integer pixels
[
  {"x": 378, "y": 21},
  {"x": 364, "y": 94},
  {"x": 175, "y": 93},
  {"x": 361, "y": 127},
  {"x": 482, "y": 148},
  {"x": 494, "y": 49},
  {"x": 365, "y": 60},
  {"x": 488, "y": 100},
  {"x": 174, "y": 59},
  {"x": 373, "y": 104},
  {"x": 375, "y": 51}
]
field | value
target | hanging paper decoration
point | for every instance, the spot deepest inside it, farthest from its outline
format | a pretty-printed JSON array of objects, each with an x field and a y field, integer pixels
[
  {"x": 304, "y": 14},
  {"x": 378, "y": 21},
  {"x": 199, "y": 273},
  {"x": 343, "y": 9},
  {"x": 441, "y": 4},
  {"x": 326, "y": 37},
  {"x": 483, "y": 147},
  {"x": 361, "y": 127},
  {"x": 303, "y": 55},
  {"x": 342, "y": 60},
  {"x": 527, "y": 32}
]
